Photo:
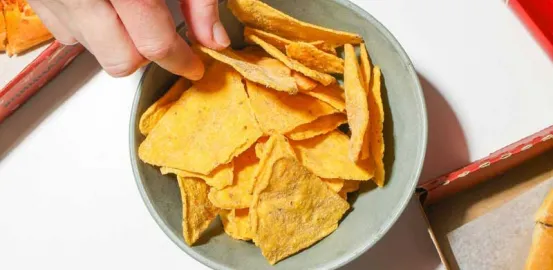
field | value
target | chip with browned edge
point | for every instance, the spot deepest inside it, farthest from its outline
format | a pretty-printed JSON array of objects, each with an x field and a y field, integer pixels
[
  {"x": 294, "y": 210},
  {"x": 259, "y": 15},
  {"x": 327, "y": 157},
  {"x": 314, "y": 58},
  {"x": 323, "y": 78},
  {"x": 278, "y": 112},
  {"x": 376, "y": 129},
  {"x": 197, "y": 210},
  {"x": 356, "y": 103},
  {"x": 253, "y": 72},
  {"x": 153, "y": 114},
  {"x": 189, "y": 137}
]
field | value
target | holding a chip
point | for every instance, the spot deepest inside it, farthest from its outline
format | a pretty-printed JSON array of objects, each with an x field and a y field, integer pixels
[{"x": 261, "y": 140}]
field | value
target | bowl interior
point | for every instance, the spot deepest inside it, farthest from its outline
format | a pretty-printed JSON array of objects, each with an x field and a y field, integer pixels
[{"x": 374, "y": 210}]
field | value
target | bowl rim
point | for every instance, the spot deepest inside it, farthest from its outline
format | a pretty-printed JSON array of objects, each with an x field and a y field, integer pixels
[{"x": 346, "y": 258}]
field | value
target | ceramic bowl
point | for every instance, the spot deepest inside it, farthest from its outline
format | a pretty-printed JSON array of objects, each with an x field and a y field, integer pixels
[{"x": 374, "y": 210}]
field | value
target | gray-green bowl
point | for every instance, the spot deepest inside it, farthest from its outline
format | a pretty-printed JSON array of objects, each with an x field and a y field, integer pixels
[{"x": 374, "y": 211}]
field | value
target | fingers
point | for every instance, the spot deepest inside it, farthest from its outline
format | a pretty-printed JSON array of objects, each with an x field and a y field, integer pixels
[
  {"x": 202, "y": 18},
  {"x": 106, "y": 36},
  {"x": 58, "y": 30},
  {"x": 151, "y": 29}
]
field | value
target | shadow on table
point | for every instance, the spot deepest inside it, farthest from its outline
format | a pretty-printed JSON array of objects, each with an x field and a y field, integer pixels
[
  {"x": 25, "y": 119},
  {"x": 406, "y": 246},
  {"x": 447, "y": 148}
]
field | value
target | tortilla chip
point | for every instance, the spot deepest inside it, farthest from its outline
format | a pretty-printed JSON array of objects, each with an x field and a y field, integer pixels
[
  {"x": 376, "y": 129},
  {"x": 349, "y": 186},
  {"x": 239, "y": 194},
  {"x": 197, "y": 210},
  {"x": 236, "y": 223},
  {"x": 323, "y": 78},
  {"x": 189, "y": 137},
  {"x": 335, "y": 185},
  {"x": 261, "y": 16},
  {"x": 155, "y": 112},
  {"x": 332, "y": 95},
  {"x": 321, "y": 125},
  {"x": 276, "y": 147},
  {"x": 219, "y": 178},
  {"x": 314, "y": 58},
  {"x": 253, "y": 72},
  {"x": 304, "y": 84},
  {"x": 280, "y": 42},
  {"x": 326, "y": 156},
  {"x": 294, "y": 211},
  {"x": 356, "y": 103},
  {"x": 279, "y": 112},
  {"x": 365, "y": 69}
]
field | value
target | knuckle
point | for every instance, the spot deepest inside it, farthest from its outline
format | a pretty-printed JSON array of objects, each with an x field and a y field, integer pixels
[
  {"x": 120, "y": 69},
  {"x": 157, "y": 50}
]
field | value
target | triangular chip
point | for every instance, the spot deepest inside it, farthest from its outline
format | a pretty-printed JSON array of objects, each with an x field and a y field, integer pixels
[
  {"x": 314, "y": 58},
  {"x": 197, "y": 210},
  {"x": 155, "y": 112},
  {"x": 219, "y": 178},
  {"x": 356, "y": 103},
  {"x": 253, "y": 72},
  {"x": 294, "y": 211},
  {"x": 208, "y": 126},
  {"x": 236, "y": 223},
  {"x": 321, "y": 125},
  {"x": 24, "y": 28},
  {"x": 280, "y": 42},
  {"x": 323, "y": 78},
  {"x": 331, "y": 94},
  {"x": 279, "y": 112},
  {"x": 276, "y": 147},
  {"x": 327, "y": 157},
  {"x": 365, "y": 69},
  {"x": 376, "y": 129},
  {"x": 334, "y": 184},
  {"x": 259, "y": 15},
  {"x": 239, "y": 194},
  {"x": 304, "y": 84}
]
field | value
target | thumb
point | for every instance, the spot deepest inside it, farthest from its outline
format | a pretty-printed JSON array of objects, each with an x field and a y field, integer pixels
[{"x": 202, "y": 18}]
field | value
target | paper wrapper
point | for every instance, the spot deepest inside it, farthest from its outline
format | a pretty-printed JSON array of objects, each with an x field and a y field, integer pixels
[{"x": 501, "y": 238}]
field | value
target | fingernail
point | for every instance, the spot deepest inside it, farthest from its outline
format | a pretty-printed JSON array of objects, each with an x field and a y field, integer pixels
[{"x": 220, "y": 34}]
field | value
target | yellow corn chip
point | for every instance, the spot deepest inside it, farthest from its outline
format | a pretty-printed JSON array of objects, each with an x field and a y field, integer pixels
[
  {"x": 323, "y": 78},
  {"x": 276, "y": 147},
  {"x": 356, "y": 103},
  {"x": 294, "y": 211},
  {"x": 155, "y": 112},
  {"x": 335, "y": 185},
  {"x": 253, "y": 72},
  {"x": 304, "y": 84},
  {"x": 208, "y": 126},
  {"x": 261, "y": 16},
  {"x": 321, "y": 125},
  {"x": 280, "y": 42},
  {"x": 365, "y": 69},
  {"x": 314, "y": 58},
  {"x": 239, "y": 194},
  {"x": 326, "y": 156},
  {"x": 219, "y": 178},
  {"x": 279, "y": 112},
  {"x": 236, "y": 223},
  {"x": 349, "y": 186},
  {"x": 197, "y": 210},
  {"x": 376, "y": 129},
  {"x": 332, "y": 94}
]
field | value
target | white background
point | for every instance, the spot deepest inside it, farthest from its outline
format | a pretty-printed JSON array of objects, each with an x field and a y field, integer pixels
[{"x": 68, "y": 199}]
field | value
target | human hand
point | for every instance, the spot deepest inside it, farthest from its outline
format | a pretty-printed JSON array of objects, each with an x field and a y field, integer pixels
[{"x": 124, "y": 35}]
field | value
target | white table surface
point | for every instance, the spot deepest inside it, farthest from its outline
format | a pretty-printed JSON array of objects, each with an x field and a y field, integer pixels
[{"x": 68, "y": 199}]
